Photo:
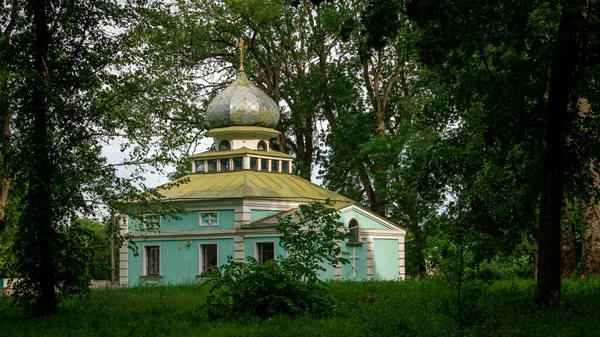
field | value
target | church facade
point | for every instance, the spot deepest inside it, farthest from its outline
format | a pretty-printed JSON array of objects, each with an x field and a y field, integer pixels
[{"x": 232, "y": 201}]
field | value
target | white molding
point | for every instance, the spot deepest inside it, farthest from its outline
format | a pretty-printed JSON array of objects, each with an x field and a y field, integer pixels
[
  {"x": 373, "y": 216},
  {"x": 238, "y": 249},
  {"x": 215, "y": 224}
]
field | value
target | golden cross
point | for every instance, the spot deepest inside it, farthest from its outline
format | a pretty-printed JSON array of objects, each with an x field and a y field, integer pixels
[{"x": 240, "y": 45}]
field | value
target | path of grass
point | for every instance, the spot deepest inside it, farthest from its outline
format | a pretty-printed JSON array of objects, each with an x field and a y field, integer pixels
[{"x": 409, "y": 308}]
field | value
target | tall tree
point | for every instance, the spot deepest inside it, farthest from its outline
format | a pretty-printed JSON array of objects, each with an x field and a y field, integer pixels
[
  {"x": 78, "y": 89},
  {"x": 488, "y": 48}
]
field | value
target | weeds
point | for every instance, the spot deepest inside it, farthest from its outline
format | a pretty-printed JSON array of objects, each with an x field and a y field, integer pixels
[{"x": 408, "y": 308}]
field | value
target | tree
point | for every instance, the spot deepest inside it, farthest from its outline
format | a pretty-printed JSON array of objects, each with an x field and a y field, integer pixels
[
  {"x": 74, "y": 88},
  {"x": 499, "y": 56}
]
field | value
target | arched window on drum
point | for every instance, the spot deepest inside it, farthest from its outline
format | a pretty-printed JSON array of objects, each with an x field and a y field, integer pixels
[{"x": 224, "y": 145}]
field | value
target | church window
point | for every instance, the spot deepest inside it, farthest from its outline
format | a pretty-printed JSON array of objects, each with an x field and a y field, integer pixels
[
  {"x": 274, "y": 165},
  {"x": 224, "y": 145},
  {"x": 264, "y": 164},
  {"x": 238, "y": 163},
  {"x": 225, "y": 165},
  {"x": 265, "y": 251},
  {"x": 212, "y": 165},
  {"x": 208, "y": 258},
  {"x": 353, "y": 228},
  {"x": 253, "y": 163},
  {"x": 262, "y": 146},
  {"x": 285, "y": 166},
  {"x": 200, "y": 166},
  {"x": 152, "y": 260}
]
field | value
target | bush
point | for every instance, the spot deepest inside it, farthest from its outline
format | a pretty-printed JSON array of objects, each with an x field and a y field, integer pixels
[
  {"x": 286, "y": 286},
  {"x": 246, "y": 291}
]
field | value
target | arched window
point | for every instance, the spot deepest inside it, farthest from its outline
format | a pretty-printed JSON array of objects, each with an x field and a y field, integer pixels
[
  {"x": 353, "y": 228},
  {"x": 224, "y": 145},
  {"x": 262, "y": 146}
]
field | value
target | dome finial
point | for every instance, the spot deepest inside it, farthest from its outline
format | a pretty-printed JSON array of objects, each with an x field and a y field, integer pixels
[{"x": 241, "y": 46}]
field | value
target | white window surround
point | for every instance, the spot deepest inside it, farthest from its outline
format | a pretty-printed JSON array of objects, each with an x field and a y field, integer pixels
[
  {"x": 145, "y": 260},
  {"x": 201, "y": 257},
  {"x": 213, "y": 223},
  {"x": 256, "y": 243}
]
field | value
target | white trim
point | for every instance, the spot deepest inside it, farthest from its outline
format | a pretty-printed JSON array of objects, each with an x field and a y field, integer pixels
[
  {"x": 145, "y": 259},
  {"x": 208, "y": 213},
  {"x": 256, "y": 243},
  {"x": 200, "y": 259},
  {"x": 375, "y": 217}
]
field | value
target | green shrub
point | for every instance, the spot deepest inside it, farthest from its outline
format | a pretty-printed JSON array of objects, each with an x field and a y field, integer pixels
[{"x": 245, "y": 291}]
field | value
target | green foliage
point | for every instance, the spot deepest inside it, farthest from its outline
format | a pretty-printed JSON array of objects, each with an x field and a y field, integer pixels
[
  {"x": 409, "y": 308},
  {"x": 311, "y": 238},
  {"x": 72, "y": 251},
  {"x": 286, "y": 286},
  {"x": 247, "y": 291}
]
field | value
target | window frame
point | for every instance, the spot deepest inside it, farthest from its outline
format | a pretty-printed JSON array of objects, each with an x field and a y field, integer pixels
[
  {"x": 196, "y": 166},
  {"x": 266, "y": 168},
  {"x": 201, "y": 265},
  {"x": 276, "y": 162},
  {"x": 257, "y": 250},
  {"x": 228, "y": 160},
  {"x": 257, "y": 163},
  {"x": 224, "y": 141},
  {"x": 355, "y": 228},
  {"x": 287, "y": 164},
  {"x": 216, "y": 165},
  {"x": 266, "y": 146},
  {"x": 146, "y": 257}
]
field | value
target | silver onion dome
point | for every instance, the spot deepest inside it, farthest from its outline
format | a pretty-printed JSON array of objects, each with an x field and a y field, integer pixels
[{"x": 242, "y": 104}]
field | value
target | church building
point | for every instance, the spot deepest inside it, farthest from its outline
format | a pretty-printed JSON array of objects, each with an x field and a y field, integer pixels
[{"x": 232, "y": 200}]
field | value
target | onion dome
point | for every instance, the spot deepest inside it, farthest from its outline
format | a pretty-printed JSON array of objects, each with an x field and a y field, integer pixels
[{"x": 242, "y": 104}]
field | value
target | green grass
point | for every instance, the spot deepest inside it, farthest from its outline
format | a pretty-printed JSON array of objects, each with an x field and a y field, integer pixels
[{"x": 409, "y": 308}]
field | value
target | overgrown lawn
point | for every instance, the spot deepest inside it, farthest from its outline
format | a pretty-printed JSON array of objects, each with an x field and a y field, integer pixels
[{"x": 409, "y": 308}]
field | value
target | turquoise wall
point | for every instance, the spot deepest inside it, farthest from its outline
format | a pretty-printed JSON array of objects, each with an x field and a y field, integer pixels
[
  {"x": 361, "y": 262},
  {"x": 385, "y": 259},
  {"x": 177, "y": 265},
  {"x": 257, "y": 214},
  {"x": 189, "y": 221},
  {"x": 250, "y": 242},
  {"x": 327, "y": 274},
  {"x": 363, "y": 221}
]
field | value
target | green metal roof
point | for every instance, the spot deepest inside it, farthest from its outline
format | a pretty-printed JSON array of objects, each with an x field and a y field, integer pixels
[
  {"x": 248, "y": 184},
  {"x": 240, "y": 152},
  {"x": 244, "y": 132}
]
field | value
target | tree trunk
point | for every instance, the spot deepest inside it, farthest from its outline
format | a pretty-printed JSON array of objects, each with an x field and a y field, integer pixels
[
  {"x": 590, "y": 251},
  {"x": 567, "y": 243},
  {"x": 5, "y": 112},
  {"x": 39, "y": 194},
  {"x": 564, "y": 61}
]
